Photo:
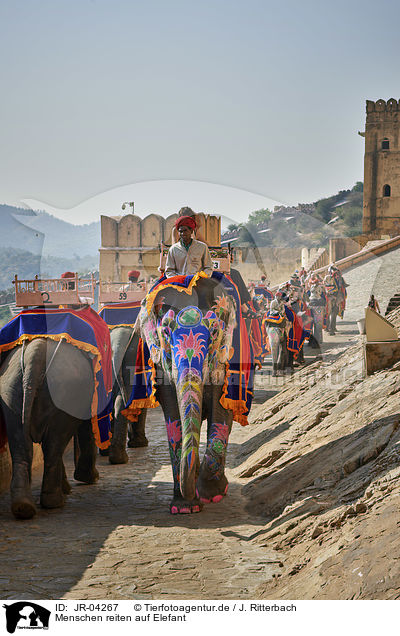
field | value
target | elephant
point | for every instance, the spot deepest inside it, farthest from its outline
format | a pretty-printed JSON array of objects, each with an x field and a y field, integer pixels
[
  {"x": 46, "y": 391},
  {"x": 278, "y": 344},
  {"x": 333, "y": 302},
  {"x": 189, "y": 338},
  {"x": 124, "y": 344},
  {"x": 318, "y": 313}
]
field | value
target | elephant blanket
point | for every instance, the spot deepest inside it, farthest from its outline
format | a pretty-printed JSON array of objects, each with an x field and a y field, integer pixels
[
  {"x": 237, "y": 393},
  {"x": 120, "y": 314},
  {"x": 297, "y": 333},
  {"x": 263, "y": 291},
  {"x": 84, "y": 329}
]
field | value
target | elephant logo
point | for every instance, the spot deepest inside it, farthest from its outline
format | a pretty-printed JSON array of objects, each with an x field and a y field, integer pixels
[{"x": 26, "y": 615}]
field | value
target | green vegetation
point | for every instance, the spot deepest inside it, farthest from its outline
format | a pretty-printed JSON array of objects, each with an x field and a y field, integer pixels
[
  {"x": 5, "y": 315},
  {"x": 309, "y": 225}
]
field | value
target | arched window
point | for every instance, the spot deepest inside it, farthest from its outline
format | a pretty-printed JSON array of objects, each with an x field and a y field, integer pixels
[
  {"x": 385, "y": 144},
  {"x": 386, "y": 190}
]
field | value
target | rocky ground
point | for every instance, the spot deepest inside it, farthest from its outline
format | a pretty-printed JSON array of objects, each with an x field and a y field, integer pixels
[{"x": 311, "y": 513}]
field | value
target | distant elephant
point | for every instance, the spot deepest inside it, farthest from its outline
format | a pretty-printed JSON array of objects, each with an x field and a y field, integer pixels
[
  {"x": 318, "y": 313},
  {"x": 333, "y": 302},
  {"x": 278, "y": 343},
  {"x": 124, "y": 343},
  {"x": 189, "y": 338},
  {"x": 46, "y": 391}
]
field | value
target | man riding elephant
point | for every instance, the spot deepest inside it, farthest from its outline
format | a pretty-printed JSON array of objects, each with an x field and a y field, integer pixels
[{"x": 188, "y": 255}]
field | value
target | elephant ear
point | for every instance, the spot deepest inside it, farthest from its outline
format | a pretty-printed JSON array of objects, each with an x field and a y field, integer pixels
[
  {"x": 148, "y": 331},
  {"x": 230, "y": 324},
  {"x": 165, "y": 329}
]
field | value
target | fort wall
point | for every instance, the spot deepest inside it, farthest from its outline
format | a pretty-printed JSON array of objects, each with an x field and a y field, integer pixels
[{"x": 129, "y": 242}]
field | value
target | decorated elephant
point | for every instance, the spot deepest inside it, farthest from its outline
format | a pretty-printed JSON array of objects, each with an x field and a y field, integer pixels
[
  {"x": 51, "y": 390},
  {"x": 277, "y": 337},
  {"x": 124, "y": 343},
  {"x": 192, "y": 329}
]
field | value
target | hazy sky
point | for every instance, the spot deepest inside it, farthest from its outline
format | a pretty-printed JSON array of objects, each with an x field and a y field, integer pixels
[{"x": 257, "y": 96}]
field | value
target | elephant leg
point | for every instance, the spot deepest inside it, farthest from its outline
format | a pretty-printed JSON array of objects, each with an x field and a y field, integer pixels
[
  {"x": 166, "y": 395},
  {"x": 137, "y": 432},
  {"x": 117, "y": 451},
  {"x": 328, "y": 322},
  {"x": 275, "y": 350},
  {"x": 85, "y": 465},
  {"x": 52, "y": 494},
  {"x": 66, "y": 488},
  {"x": 212, "y": 484},
  {"x": 332, "y": 328},
  {"x": 21, "y": 450},
  {"x": 22, "y": 502}
]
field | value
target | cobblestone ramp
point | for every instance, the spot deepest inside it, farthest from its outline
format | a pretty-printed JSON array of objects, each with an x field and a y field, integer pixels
[
  {"x": 379, "y": 276},
  {"x": 117, "y": 540}
]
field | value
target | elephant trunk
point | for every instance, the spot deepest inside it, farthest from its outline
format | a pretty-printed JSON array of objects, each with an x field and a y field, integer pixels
[{"x": 190, "y": 396}]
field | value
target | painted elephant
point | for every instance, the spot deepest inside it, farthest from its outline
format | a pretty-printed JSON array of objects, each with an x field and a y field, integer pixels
[
  {"x": 318, "y": 313},
  {"x": 46, "y": 391},
  {"x": 333, "y": 301},
  {"x": 278, "y": 343},
  {"x": 124, "y": 343},
  {"x": 189, "y": 338}
]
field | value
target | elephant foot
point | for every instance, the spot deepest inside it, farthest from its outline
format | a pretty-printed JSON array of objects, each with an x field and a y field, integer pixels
[
  {"x": 23, "y": 508},
  {"x": 138, "y": 442},
  {"x": 86, "y": 476},
  {"x": 52, "y": 499},
  {"x": 66, "y": 488},
  {"x": 211, "y": 490},
  {"x": 118, "y": 455},
  {"x": 181, "y": 506}
]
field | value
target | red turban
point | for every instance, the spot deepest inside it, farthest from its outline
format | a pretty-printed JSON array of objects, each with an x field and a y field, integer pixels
[
  {"x": 134, "y": 273},
  {"x": 188, "y": 221},
  {"x": 68, "y": 275}
]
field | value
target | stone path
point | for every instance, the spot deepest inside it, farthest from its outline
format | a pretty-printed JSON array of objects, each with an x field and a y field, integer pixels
[
  {"x": 379, "y": 276},
  {"x": 117, "y": 540}
]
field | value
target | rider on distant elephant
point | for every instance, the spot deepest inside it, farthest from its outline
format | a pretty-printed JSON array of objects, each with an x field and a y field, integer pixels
[
  {"x": 277, "y": 305},
  {"x": 332, "y": 291},
  {"x": 188, "y": 255}
]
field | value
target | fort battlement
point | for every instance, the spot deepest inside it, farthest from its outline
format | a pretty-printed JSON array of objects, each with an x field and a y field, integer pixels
[{"x": 391, "y": 106}]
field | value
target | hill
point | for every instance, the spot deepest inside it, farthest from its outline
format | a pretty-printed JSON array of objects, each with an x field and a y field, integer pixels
[
  {"x": 40, "y": 232},
  {"x": 39, "y": 243},
  {"x": 304, "y": 225}
]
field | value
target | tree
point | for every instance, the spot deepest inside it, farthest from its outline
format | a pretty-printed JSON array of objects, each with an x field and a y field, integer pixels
[{"x": 259, "y": 216}]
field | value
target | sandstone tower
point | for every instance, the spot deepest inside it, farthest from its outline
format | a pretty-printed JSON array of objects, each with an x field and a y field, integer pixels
[{"x": 381, "y": 213}]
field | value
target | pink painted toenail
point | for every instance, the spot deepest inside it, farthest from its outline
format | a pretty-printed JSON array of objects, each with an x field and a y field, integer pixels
[
  {"x": 174, "y": 510},
  {"x": 196, "y": 509},
  {"x": 205, "y": 500},
  {"x": 184, "y": 511},
  {"x": 217, "y": 498}
]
